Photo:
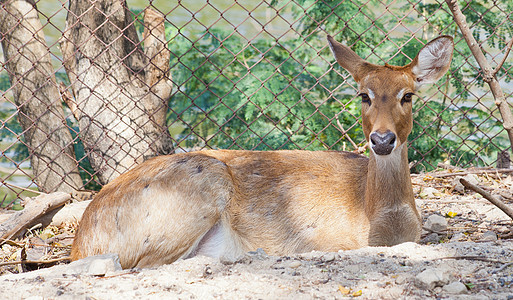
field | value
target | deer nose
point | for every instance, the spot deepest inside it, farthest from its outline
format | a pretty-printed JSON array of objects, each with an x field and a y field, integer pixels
[{"x": 383, "y": 143}]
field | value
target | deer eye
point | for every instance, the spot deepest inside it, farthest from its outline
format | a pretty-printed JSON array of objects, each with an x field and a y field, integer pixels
[
  {"x": 365, "y": 98},
  {"x": 406, "y": 98}
]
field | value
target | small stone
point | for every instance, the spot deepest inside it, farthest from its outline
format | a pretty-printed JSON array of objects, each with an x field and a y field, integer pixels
[
  {"x": 102, "y": 266},
  {"x": 314, "y": 255},
  {"x": 328, "y": 257},
  {"x": 436, "y": 223},
  {"x": 455, "y": 288},
  {"x": 430, "y": 279},
  {"x": 472, "y": 178},
  {"x": 458, "y": 186},
  {"x": 489, "y": 236},
  {"x": 294, "y": 264},
  {"x": 432, "y": 238},
  {"x": 428, "y": 192},
  {"x": 259, "y": 253},
  {"x": 458, "y": 237},
  {"x": 98, "y": 265},
  {"x": 401, "y": 279},
  {"x": 503, "y": 229}
]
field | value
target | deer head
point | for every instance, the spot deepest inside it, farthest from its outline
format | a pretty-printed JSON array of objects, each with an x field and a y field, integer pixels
[{"x": 387, "y": 91}]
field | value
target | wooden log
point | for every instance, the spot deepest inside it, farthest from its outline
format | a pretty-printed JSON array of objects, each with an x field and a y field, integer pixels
[
  {"x": 501, "y": 205},
  {"x": 35, "y": 208}
]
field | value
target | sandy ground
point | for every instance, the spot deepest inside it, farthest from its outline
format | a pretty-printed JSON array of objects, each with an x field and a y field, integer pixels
[{"x": 472, "y": 258}]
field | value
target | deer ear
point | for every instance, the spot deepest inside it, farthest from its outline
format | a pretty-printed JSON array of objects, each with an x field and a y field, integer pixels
[
  {"x": 433, "y": 60},
  {"x": 346, "y": 57}
]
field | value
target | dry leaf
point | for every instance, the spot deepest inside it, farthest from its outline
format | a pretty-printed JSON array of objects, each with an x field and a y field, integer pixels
[
  {"x": 428, "y": 178},
  {"x": 344, "y": 290},
  {"x": 451, "y": 214}
]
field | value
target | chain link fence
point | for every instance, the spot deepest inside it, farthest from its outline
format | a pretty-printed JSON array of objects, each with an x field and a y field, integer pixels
[{"x": 254, "y": 75}]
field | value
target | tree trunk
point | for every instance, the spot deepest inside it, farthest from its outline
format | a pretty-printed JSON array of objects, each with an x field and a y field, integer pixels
[
  {"x": 27, "y": 60},
  {"x": 120, "y": 91}
]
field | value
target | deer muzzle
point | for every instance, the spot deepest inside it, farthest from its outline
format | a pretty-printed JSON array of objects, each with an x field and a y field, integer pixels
[{"x": 383, "y": 143}]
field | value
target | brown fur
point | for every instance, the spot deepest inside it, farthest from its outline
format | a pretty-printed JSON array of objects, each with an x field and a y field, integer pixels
[{"x": 224, "y": 203}]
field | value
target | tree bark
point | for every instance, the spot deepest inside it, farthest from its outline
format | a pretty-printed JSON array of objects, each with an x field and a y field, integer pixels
[
  {"x": 120, "y": 92},
  {"x": 489, "y": 74},
  {"x": 27, "y": 60},
  {"x": 34, "y": 209}
]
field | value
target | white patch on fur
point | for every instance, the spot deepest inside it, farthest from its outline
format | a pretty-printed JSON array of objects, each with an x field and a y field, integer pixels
[
  {"x": 401, "y": 94},
  {"x": 371, "y": 94},
  {"x": 212, "y": 243},
  {"x": 432, "y": 59},
  {"x": 391, "y": 161},
  {"x": 217, "y": 243},
  {"x": 332, "y": 50}
]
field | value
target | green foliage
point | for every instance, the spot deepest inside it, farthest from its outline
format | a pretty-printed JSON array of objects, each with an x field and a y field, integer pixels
[
  {"x": 85, "y": 169},
  {"x": 466, "y": 132},
  {"x": 11, "y": 137},
  {"x": 10, "y": 132},
  {"x": 281, "y": 93},
  {"x": 277, "y": 94},
  {"x": 264, "y": 95}
]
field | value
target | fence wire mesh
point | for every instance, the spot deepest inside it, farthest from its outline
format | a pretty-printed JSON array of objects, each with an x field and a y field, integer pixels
[{"x": 254, "y": 75}]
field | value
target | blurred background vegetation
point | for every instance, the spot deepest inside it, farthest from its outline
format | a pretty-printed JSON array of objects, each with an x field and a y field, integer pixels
[{"x": 259, "y": 76}]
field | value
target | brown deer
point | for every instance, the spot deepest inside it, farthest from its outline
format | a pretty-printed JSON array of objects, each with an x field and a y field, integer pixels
[{"x": 223, "y": 203}]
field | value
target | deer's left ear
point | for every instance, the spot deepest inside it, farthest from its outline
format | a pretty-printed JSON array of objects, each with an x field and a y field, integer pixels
[{"x": 433, "y": 60}]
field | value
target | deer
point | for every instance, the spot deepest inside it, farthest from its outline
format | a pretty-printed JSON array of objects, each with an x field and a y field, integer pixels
[{"x": 225, "y": 203}]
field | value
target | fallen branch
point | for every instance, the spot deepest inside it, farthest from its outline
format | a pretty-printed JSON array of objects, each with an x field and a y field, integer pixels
[
  {"x": 484, "y": 171},
  {"x": 502, "y": 267},
  {"x": 34, "y": 209},
  {"x": 506, "y": 209},
  {"x": 21, "y": 188},
  {"x": 49, "y": 261},
  {"x": 472, "y": 257},
  {"x": 448, "y": 167}
]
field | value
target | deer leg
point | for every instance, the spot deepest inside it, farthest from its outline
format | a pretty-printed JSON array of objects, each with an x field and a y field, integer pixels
[{"x": 165, "y": 217}]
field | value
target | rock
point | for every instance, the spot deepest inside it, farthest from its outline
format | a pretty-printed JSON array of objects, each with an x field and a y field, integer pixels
[
  {"x": 70, "y": 213},
  {"x": 429, "y": 192},
  {"x": 259, "y": 254},
  {"x": 93, "y": 265},
  {"x": 98, "y": 265},
  {"x": 36, "y": 249},
  {"x": 489, "y": 236},
  {"x": 472, "y": 178},
  {"x": 431, "y": 278},
  {"x": 328, "y": 257},
  {"x": 436, "y": 223},
  {"x": 458, "y": 237},
  {"x": 432, "y": 238},
  {"x": 455, "y": 288},
  {"x": 294, "y": 264},
  {"x": 458, "y": 186},
  {"x": 401, "y": 279}
]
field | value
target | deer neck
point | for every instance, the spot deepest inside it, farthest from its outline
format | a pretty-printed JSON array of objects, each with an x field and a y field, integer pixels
[
  {"x": 389, "y": 202},
  {"x": 388, "y": 182}
]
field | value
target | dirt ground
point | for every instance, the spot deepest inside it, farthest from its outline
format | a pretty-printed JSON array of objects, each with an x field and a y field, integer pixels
[{"x": 469, "y": 257}]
